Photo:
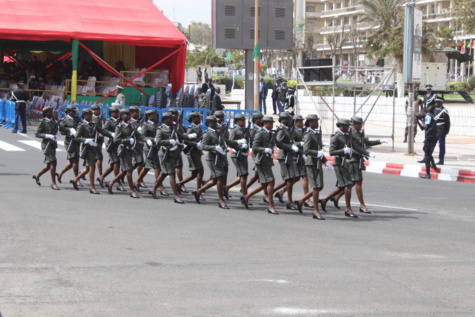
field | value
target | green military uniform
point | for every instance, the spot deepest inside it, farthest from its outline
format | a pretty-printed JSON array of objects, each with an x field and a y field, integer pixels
[
  {"x": 138, "y": 157},
  {"x": 264, "y": 161},
  {"x": 299, "y": 161},
  {"x": 239, "y": 156},
  {"x": 215, "y": 160},
  {"x": 70, "y": 144},
  {"x": 284, "y": 142},
  {"x": 167, "y": 154},
  {"x": 87, "y": 130},
  {"x": 98, "y": 121},
  {"x": 226, "y": 137},
  {"x": 340, "y": 162},
  {"x": 150, "y": 153},
  {"x": 313, "y": 165},
  {"x": 111, "y": 147},
  {"x": 356, "y": 162},
  {"x": 123, "y": 133},
  {"x": 193, "y": 152},
  {"x": 255, "y": 129},
  {"x": 47, "y": 126}
]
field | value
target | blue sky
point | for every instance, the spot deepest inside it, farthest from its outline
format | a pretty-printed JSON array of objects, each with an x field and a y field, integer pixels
[{"x": 185, "y": 11}]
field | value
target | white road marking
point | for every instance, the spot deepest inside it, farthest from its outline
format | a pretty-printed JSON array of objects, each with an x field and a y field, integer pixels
[
  {"x": 35, "y": 144},
  {"x": 277, "y": 281},
  {"x": 289, "y": 311},
  {"x": 9, "y": 148},
  {"x": 392, "y": 207}
]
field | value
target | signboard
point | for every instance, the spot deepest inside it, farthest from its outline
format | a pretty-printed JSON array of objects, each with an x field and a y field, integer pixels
[{"x": 417, "y": 47}]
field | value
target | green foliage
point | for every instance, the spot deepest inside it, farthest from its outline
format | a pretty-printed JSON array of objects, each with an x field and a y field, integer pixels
[
  {"x": 291, "y": 83},
  {"x": 471, "y": 82},
  {"x": 463, "y": 86},
  {"x": 199, "y": 33},
  {"x": 465, "y": 14},
  {"x": 228, "y": 82},
  {"x": 206, "y": 56},
  {"x": 452, "y": 85}
]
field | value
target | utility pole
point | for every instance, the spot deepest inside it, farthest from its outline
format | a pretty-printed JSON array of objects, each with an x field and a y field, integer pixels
[{"x": 256, "y": 55}]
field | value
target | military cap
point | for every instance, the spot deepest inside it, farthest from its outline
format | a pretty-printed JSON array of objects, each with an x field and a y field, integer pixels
[
  {"x": 134, "y": 108},
  {"x": 439, "y": 99},
  {"x": 268, "y": 119},
  {"x": 284, "y": 115},
  {"x": 291, "y": 90},
  {"x": 429, "y": 86},
  {"x": 71, "y": 108},
  {"x": 150, "y": 112},
  {"x": 298, "y": 117},
  {"x": 312, "y": 117},
  {"x": 167, "y": 114},
  {"x": 257, "y": 115},
  {"x": 239, "y": 116},
  {"x": 47, "y": 108},
  {"x": 113, "y": 109},
  {"x": 119, "y": 87},
  {"x": 219, "y": 113},
  {"x": 87, "y": 111},
  {"x": 124, "y": 111},
  {"x": 210, "y": 119},
  {"x": 193, "y": 114},
  {"x": 343, "y": 122},
  {"x": 20, "y": 83},
  {"x": 356, "y": 119},
  {"x": 95, "y": 107},
  {"x": 173, "y": 110}
]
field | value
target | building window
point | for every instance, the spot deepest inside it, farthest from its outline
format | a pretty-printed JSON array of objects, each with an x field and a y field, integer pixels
[{"x": 310, "y": 9}]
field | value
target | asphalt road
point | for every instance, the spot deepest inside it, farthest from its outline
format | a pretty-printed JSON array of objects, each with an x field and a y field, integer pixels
[{"x": 69, "y": 253}]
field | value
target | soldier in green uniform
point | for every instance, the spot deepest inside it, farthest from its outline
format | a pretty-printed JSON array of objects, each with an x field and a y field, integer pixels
[
  {"x": 341, "y": 147},
  {"x": 179, "y": 158},
  {"x": 193, "y": 151},
  {"x": 46, "y": 131},
  {"x": 67, "y": 127},
  {"x": 167, "y": 141},
  {"x": 126, "y": 137},
  {"x": 138, "y": 158},
  {"x": 263, "y": 146},
  {"x": 111, "y": 148},
  {"x": 287, "y": 157},
  {"x": 85, "y": 135},
  {"x": 222, "y": 125},
  {"x": 314, "y": 157},
  {"x": 238, "y": 141},
  {"x": 214, "y": 143},
  {"x": 257, "y": 126},
  {"x": 98, "y": 120}
]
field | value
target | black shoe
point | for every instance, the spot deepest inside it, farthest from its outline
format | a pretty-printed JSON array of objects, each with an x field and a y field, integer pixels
[
  {"x": 143, "y": 186},
  {"x": 100, "y": 183},
  {"x": 178, "y": 201},
  {"x": 134, "y": 195},
  {"x": 421, "y": 161},
  {"x": 426, "y": 176},
  {"x": 365, "y": 211},
  {"x": 13, "y": 131},
  {"x": 290, "y": 207},
  {"x": 137, "y": 188},
  {"x": 178, "y": 190},
  {"x": 299, "y": 206},
  {"x": 223, "y": 206},
  {"x": 322, "y": 205},
  {"x": 164, "y": 193},
  {"x": 307, "y": 205},
  {"x": 276, "y": 195},
  {"x": 94, "y": 192},
  {"x": 23, "y": 131},
  {"x": 84, "y": 178},
  {"x": 314, "y": 216},
  {"x": 75, "y": 185},
  {"x": 272, "y": 212},
  {"x": 439, "y": 163},
  {"x": 335, "y": 202},
  {"x": 196, "y": 196},
  {"x": 184, "y": 190},
  {"x": 109, "y": 189},
  {"x": 405, "y": 141},
  {"x": 59, "y": 178},
  {"x": 54, "y": 187},
  {"x": 154, "y": 196},
  {"x": 350, "y": 215},
  {"x": 121, "y": 189},
  {"x": 37, "y": 181},
  {"x": 264, "y": 199},
  {"x": 243, "y": 201},
  {"x": 226, "y": 195}
]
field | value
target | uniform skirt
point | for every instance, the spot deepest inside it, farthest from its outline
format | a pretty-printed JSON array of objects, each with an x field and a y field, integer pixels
[
  {"x": 194, "y": 161},
  {"x": 315, "y": 177},
  {"x": 343, "y": 177},
  {"x": 99, "y": 155},
  {"x": 126, "y": 161},
  {"x": 73, "y": 150},
  {"x": 216, "y": 170},
  {"x": 138, "y": 156},
  {"x": 153, "y": 162},
  {"x": 241, "y": 164},
  {"x": 355, "y": 172},
  {"x": 179, "y": 160},
  {"x": 89, "y": 155},
  {"x": 288, "y": 171},
  {"x": 50, "y": 155},
  {"x": 169, "y": 166},
  {"x": 265, "y": 173}
]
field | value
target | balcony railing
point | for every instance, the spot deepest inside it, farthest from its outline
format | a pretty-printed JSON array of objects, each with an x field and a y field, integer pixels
[
  {"x": 441, "y": 15},
  {"x": 345, "y": 10},
  {"x": 347, "y": 27}
]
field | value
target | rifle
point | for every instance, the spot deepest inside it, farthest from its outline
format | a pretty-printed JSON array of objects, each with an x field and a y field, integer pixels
[
  {"x": 223, "y": 131},
  {"x": 319, "y": 148},
  {"x": 270, "y": 144},
  {"x": 288, "y": 155},
  {"x": 246, "y": 137},
  {"x": 349, "y": 143},
  {"x": 173, "y": 136},
  {"x": 139, "y": 124},
  {"x": 362, "y": 159},
  {"x": 55, "y": 131}
]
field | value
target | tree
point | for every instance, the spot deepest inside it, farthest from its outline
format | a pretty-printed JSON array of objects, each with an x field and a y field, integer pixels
[
  {"x": 465, "y": 14},
  {"x": 199, "y": 33}
]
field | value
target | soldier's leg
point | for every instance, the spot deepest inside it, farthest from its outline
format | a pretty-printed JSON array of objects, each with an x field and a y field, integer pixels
[
  {"x": 220, "y": 187},
  {"x": 252, "y": 180},
  {"x": 210, "y": 183},
  {"x": 336, "y": 191},
  {"x": 92, "y": 171},
  {"x": 270, "y": 192},
  {"x": 191, "y": 177},
  {"x": 42, "y": 171},
  {"x": 315, "y": 193},
  {"x": 236, "y": 181},
  {"x": 158, "y": 183},
  {"x": 130, "y": 181},
  {"x": 141, "y": 176},
  {"x": 243, "y": 181},
  {"x": 348, "y": 199},
  {"x": 52, "y": 170},
  {"x": 359, "y": 193},
  {"x": 99, "y": 166},
  {"x": 66, "y": 168}
]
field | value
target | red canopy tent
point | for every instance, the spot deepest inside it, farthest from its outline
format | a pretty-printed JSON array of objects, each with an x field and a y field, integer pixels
[{"x": 137, "y": 23}]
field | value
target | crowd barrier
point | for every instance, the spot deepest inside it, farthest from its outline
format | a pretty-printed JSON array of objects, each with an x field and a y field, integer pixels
[{"x": 7, "y": 113}]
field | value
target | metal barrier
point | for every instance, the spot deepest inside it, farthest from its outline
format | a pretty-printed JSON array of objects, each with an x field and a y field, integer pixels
[{"x": 7, "y": 113}]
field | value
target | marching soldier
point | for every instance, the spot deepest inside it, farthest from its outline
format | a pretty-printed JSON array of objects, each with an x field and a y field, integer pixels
[
  {"x": 167, "y": 140},
  {"x": 257, "y": 126},
  {"x": 179, "y": 163},
  {"x": 193, "y": 151},
  {"x": 85, "y": 135},
  {"x": 111, "y": 148},
  {"x": 67, "y": 127},
  {"x": 341, "y": 148},
  {"x": 238, "y": 141},
  {"x": 287, "y": 157},
  {"x": 99, "y": 139},
  {"x": 46, "y": 131},
  {"x": 263, "y": 146},
  {"x": 313, "y": 150},
  {"x": 138, "y": 158},
  {"x": 213, "y": 142},
  {"x": 126, "y": 137},
  {"x": 223, "y": 127}
]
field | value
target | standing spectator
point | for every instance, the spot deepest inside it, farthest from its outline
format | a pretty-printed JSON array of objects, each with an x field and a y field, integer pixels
[
  {"x": 20, "y": 96},
  {"x": 275, "y": 95},
  {"x": 429, "y": 97},
  {"x": 430, "y": 127},
  {"x": 283, "y": 96},
  {"x": 263, "y": 90},
  {"x": 442, "y": 120},
  {"x": 217, "y": 105}
]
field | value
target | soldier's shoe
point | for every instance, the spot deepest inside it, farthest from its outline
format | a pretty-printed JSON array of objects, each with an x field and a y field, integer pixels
[
  {"x": 421, "y": 161},
  {"x": 425, "y": 176}
]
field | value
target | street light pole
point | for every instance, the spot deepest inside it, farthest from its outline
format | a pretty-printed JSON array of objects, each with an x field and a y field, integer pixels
[{"x": 256, "y": 56}]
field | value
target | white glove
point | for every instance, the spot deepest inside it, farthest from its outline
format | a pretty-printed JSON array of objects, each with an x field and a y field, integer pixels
[
  {"x": 149, "y": 142},
  {"x": 347, "y": 150},
  {"x": 243, "y": 146},
  {"x": 199, "y": 145},
  {"x": 90, "y": 142},
  {"x": 320, "y": 154},
  {"x": 268, "y": 151},
  {"x": 383, "y": 141},
  {"x": 372, "y": 155},
  {"x": 219, "y": 149},
  {"x": 72, "y": 132},
  {"x": 328, "y": 165},
  {"x": 295, "y": 148},
  {"x": 192, "y": 136},
  {"x": 300, "y": 143},
  {"x": 139, "y": 129},
  {"x": 113, "y": 134},
  {"x": 172, "y": 142},
  {"x": 132, "y": 141},
  {"x": 50, "y": 136},
  {"x": 326, "y": 144},
  {"x": 242, "y": 141},
  {"x": 304, "y": 157}
]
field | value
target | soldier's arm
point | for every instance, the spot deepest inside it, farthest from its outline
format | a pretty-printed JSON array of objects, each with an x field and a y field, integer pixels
[
  {"x": 208, "y": 144},
  {"x": 336, "y": 149},
  {"x": 231, "y": 141},
  {"x": 307, "y": 149},
  {"x": 79, "y": 135},
  {"x": 279, "y": 141},
  {"x": 258, "y": 145},
  {"x": 41, "y": 130}
]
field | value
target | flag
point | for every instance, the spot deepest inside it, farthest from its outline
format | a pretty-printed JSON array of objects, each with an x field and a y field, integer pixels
[
  {"x": 228, "y": 56},
  {"x": 472, "y": 44},
  {"x": 256, "y": 52},
  {"x": 462, "y": 46},
  {"x": 259, "y": 66}
]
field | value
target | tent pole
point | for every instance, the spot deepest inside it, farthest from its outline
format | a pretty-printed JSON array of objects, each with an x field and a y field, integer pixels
[{"x": 74, "y": 78}]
